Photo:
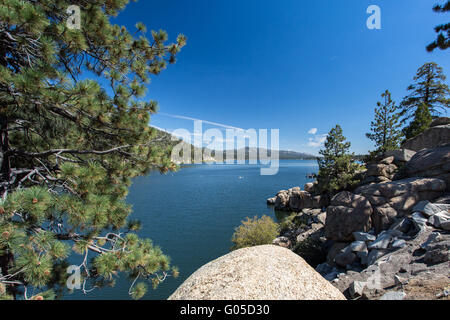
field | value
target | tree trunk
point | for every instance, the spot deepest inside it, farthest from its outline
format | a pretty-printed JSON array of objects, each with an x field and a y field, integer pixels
[
  {"x": 5, "y": 169},
  {"x": 6, "y": 260}
]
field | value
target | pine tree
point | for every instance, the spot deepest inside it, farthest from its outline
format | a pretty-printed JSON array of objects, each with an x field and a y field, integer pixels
[
  {"x": 337, "y": 167},
  {"x": 429, "y": 88},
  {"x": 386, "y": 127},
  {"x": 70, "y": 146},
  {"x": 421, "y": 122},
  {"x": 443, "y": 38}
]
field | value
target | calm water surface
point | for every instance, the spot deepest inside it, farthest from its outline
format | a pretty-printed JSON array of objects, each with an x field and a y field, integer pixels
[{"x": 192, "y": 214}]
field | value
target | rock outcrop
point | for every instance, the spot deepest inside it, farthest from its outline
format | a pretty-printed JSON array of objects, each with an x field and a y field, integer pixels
[
  {"x": 431, "y": 163},
  {"x": 389, "y": 237},
  {"x": 397, "y": 198},
  {"x": 258, "y": 273},
  {"x": 346, "y": 214},
  {"x": 429, "y": 139},
  {"x": 295, "y": 200},
  {"x": 401, "y": 156},
  {"x": 384, "y": 171}
]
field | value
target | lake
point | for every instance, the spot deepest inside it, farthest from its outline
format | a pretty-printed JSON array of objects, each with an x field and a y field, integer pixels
[{"x": 191, "y": 214}]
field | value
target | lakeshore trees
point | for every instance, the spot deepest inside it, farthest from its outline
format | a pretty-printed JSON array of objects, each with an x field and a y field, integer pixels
[
  {"x": 337, "y": 166},
  {"x": 385, "y": 129},
  {"x": 70, "y": 146},
  {"x": 428, "y": 89}
]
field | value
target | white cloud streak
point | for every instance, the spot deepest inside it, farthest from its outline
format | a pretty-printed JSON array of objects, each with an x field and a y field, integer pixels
[{"x": 221, "y": 125}]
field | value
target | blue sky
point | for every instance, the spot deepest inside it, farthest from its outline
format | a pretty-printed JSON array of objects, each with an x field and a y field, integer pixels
[{"x": 292, "y": 65}]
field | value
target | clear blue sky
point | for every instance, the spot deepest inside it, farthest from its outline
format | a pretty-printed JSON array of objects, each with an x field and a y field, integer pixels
[{"x": 287, "y": 64}]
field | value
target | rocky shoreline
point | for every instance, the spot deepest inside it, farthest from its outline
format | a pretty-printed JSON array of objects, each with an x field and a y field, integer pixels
[{"x": 389, "y": 238}]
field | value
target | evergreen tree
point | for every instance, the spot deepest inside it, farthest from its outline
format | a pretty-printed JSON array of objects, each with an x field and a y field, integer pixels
[
  {"x": 428, "y": 88},
  {"x": 443, "y": 39},
  {"x": 337, "y": 167},
  {"x": 421, "y": 122},
  {"x": 386, "y": 127},
  {"x": 69, "y": 146}
]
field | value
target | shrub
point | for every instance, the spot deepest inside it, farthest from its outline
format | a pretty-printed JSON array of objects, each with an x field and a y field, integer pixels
[{"x": 254, "y": 232}]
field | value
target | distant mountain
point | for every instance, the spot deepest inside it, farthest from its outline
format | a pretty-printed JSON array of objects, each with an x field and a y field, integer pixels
[
  {"x": 283, "y": 154},
  {"x": 168, "y": 140}
]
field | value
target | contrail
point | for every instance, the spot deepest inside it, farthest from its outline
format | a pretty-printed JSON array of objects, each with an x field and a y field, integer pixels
[{"x": 194, "y": 119}]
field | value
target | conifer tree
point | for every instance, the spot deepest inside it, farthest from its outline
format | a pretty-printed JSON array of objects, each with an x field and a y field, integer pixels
[
  {"x": 70, "y": 146},
  {"x": 429, "y": 88},
  {"x": 421, "y": 122},
  {"x": 337, "y": 167},
  {"x": 443, "y": 38},
  {"x": 386, "y": 127}
]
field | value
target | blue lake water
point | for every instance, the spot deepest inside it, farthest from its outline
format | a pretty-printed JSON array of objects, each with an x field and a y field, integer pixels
[{"x": 191, "y": 214}]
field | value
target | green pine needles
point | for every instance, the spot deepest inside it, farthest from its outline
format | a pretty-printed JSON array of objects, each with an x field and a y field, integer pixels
[
  {"x": 337, "y": 167},
  {"x": 385, "y": 129},
  {"x": 70, "y": 146}
]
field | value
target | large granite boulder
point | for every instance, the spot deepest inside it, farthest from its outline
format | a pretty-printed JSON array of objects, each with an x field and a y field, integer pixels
[
  {"x": 400, "y": 155},
  {"x": 282, "y": 200},
  {"x": 299, "y": 200},
  {"x": 429, "y": 139},
  {"x": 347, "y": 213},
  {"x": 431, "y": 163},
  {"x": 258, "y": 273}
]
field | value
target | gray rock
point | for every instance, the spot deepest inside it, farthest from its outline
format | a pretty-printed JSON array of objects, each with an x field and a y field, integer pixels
[
  {"x": 432, "y": 238},
  {"x": 429, "y": 209},
  {"x": 438, "y": 219},
  {"x": 309, "y": 187},
  {"x": 374, "y": 255},
  {"x": 400, "y": 243},
  {"x": 445, "y": 225},
  {"x": 383, "y": 217},
  {"x": 430, "y": 138},
  {"x": 356, "y": 289},
  {"x": 363, "y": 256},
  {"x": 403, "y": 225},
  {"x": 324, "y": 268},
  {"x": 335, "y": 249},
  {"x": 345, "y": 258},
  {"x": 358, "y": 246},
  {"x": 271, "y": 201},
  {"x": 387, "y": 160},
  {"x": 419, "y": 219},
  {"x": 363, "y": 236},
  {"x": 321, "y": 218},
  {"x": 382, "y": 242},
  {"x": 332, "y": 275},
  {"x": 282, "y": 242},
  {"x": 402, "y": 195},
  {"x": 440, "y": 121},
  {"x": 346, "y": 214},
  {"x": 400, "y": 280},
  {"x": 437, "y": 252},
  {"x": 393, "y": 295},
  {"x": 432, "y": 163},
  {"x": 401, "y": 155}
]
